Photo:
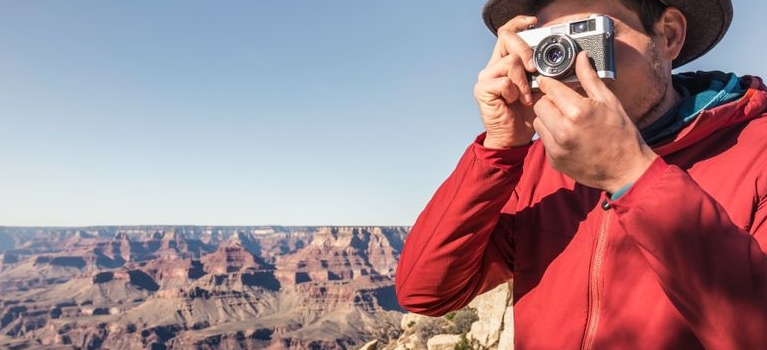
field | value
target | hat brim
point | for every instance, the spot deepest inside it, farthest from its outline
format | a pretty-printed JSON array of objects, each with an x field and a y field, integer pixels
[{"x": 707, "y": 22}]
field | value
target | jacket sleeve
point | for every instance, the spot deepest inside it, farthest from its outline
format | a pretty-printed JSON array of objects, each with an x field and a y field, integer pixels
[
  {"x": 714, "y": 272},
  {"x": 447, "y": 259}
]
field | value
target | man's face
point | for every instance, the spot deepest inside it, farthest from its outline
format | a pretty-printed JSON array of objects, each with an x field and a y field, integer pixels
[{"x": 643, "y": 75}]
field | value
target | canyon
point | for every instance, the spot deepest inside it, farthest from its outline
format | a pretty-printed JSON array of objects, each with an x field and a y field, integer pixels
[{"x": 198, "y": 287}]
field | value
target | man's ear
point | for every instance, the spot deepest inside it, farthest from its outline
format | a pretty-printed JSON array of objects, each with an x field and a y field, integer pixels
[{"x": 672, "y": 29}]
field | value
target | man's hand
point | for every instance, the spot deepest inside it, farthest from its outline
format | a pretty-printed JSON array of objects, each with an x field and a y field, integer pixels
[
  {"x": 503, "y": 91},
  {"x": 590, "y": 138}
]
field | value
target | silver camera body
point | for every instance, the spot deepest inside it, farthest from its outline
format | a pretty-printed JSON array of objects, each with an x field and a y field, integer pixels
[{"x": 555, "y": 48}]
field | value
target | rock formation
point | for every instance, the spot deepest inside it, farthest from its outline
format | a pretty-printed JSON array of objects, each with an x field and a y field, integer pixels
[
  {"x": 492, "y": 329},
  {"x": 185, "y": 287}
]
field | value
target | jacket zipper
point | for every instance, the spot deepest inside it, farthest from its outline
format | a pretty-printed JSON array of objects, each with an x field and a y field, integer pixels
[{"x": 594, "y": 276}]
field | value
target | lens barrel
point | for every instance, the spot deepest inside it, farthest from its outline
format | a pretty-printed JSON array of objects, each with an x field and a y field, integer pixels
[{"x": 554, "y": 56}]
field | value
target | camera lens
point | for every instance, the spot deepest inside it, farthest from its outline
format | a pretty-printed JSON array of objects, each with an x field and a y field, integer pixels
[{"x": 554, "y": 56}]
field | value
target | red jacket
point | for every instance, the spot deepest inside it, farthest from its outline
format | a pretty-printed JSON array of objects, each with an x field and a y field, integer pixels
[{"x": 677, "y": 262}]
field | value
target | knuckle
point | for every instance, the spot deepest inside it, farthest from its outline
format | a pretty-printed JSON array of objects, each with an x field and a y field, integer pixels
[
  {"x": 573, "y": 112},
  {"x": 487, "y": 90},
  {"x": 566, "y": 140},
  {"x": 477, "y": 90},
  {"x": 506, "y": 88},
  {"x": 480, "y": 92},
  {"x": 505, "y": 83},
  {"x": 555, "y": 154},
  {"x": 513, "y": 60},
  {"x": 506, "y": 31},
  {"x": 482, "y": 74}
]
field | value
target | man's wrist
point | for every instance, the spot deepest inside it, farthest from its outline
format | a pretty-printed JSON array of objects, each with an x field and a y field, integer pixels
[
  {"x": 504, "y": 158},
  {"x": 624, "y": 183},
  {"x": 502, "y": 142}
]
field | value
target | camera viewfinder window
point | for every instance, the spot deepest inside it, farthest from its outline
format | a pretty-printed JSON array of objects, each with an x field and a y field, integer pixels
[{"x": 583, "y": 26}]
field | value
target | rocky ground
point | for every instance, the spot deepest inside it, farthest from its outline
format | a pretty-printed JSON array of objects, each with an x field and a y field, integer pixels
[{"x": 487, "y": 323}]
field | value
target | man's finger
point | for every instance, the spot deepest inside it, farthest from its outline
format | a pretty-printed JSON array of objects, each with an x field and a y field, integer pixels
[
  {"x": 543, "y": 133},
  {"x": 508, "y": 40},
  {"x": 501, "y": 87},
  {"x": 543, "y": 127},
  {"x": 560, "y": 94},
  {"x": 500, "y": 68},
  {"x": 504, "y": 69},
  {"x": 587, "y": 76},
  {"x": 553, "y": 123},
  {"x": 510, "y": 67}
]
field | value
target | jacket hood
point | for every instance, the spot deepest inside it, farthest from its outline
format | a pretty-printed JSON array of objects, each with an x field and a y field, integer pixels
[{"x": 752, "y": 105}]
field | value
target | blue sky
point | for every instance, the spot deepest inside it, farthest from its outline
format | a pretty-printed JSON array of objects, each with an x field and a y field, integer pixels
[{"x": 289, "y": 112}]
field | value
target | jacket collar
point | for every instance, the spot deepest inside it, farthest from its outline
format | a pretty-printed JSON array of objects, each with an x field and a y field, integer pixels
[{"x": 753, "y": 104}]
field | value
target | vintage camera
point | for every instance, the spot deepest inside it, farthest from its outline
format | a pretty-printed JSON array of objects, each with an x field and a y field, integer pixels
[{"x": 555, "y": 47}]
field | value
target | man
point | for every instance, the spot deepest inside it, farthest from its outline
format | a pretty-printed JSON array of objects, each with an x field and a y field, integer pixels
[{"x": 636, "y": 219}]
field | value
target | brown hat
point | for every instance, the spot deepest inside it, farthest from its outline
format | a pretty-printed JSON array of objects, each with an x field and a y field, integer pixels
[{"x": 707, "y": 21}]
